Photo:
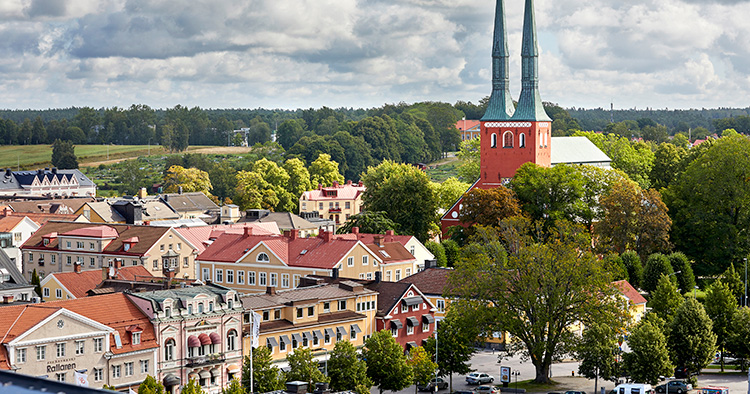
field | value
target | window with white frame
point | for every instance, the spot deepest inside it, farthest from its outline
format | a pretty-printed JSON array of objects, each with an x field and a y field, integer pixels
[
  {"x": 98, "y": 345},
  {"x": 53, "y": 258},
  {"x": 240, "y": 277},
  {"x": 98, "y": 374},
  {"x": 129, "y": 369},
  {"x": 219, "y": 275},
  {"x": 251, "y": 278},
  {"x": 80, "y": 347},
  {"x": 342, "y": 305},
  {"x": 284, "y": 280},
  {"x": 441, "y": 305},
  {"x": 116, "y": 371},
  {"x": 398, "y": 275},
  {"x": 394, "y": 331},
  {"x": 262, "y": 258},
  {"x": 169, "y": 349},
  {"x": 274, "y": 279},
  {"x": 365, "y": 260},
  {"x": 45, "y": 291},
  {"x": 231, "y": 340},
  {"x": 136, "y": 338},
  {"x": 60, "y": 350},
  {"x": 350, "y": 261},
  {"x": 262, "y": 278},
  {"x": 425, "y": 327},
  {"x": 404, "y": 308},
  {"x": 230, "y": 276},
  {"x": 144, "y": 366},
  {"x": 41, "y": 352},
  {"x": 60, "y": 377},
  {"x": 21, "y": 356},
  {"x": 409, "y": 329},
  {"x": 296, "y": 281},
  {"x": 408, "y": 272}
]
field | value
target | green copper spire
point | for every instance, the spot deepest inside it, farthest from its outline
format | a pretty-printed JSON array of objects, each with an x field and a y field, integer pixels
[
  {"x": 530, "y": 103},
  {"x": 500, "y": 106}
]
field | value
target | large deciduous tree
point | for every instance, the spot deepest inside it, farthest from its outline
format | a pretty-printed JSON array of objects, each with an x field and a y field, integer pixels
[
  {"x": 346, "y": 370},
  {"x": 720, "y": 306},
  {"x": 656, "y": 266},
  {"x": 266, "y": 376},
  {"x": 596, "y": 353},
  {"x": 386, "y": 362},
  {"x": 710, "y": 205},
  {"x": 422, "y": 367},
  {"x": 455, "y": 337},
  {"x": 449, "y": 191},
  {"x": 368, "y": 222},
  {"x": 304, "y": 368},
  {"x": 404, "y": 193},
  {"x": 634, "y": 219},
  {"x": 739, "y": 338},
  {"x": 692, "y": 342},
  {"x": 665, "y": 299},
  {"x": 187, "y": 180},
  {"x": 487, "y": 207},
  {"x": 324, "y": 171},
  {"x": 63, "y": 155},
  {"x": 548, "y": 282},
  {"x": 648, "y": 359}
]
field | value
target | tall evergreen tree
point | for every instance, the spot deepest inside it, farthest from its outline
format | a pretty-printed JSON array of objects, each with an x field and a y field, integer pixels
[{"x": 63, "y": 155}]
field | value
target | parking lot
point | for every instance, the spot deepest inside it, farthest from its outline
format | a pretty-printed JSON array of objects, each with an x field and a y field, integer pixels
[{"x": 486, "y": 361}]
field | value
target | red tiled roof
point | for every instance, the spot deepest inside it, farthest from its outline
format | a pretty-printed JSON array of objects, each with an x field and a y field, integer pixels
[
  {"x": 430, "y": 281},
  {"x": 42, "y": 218},
  {"x": 80, "y": 283},
  {"x": 367, "y": 238},
  {"x": 148, "y": 236},
  {"x": 629, "y": 292},
  {"x": 200, "y": 236},
  {"x": 394, "y": 252},
  {"x": 318, "y": 253},
  {"x": 93, "y": 232},
  {"x": 8, "y": 223},
  {"x": 464, "y": 125}
]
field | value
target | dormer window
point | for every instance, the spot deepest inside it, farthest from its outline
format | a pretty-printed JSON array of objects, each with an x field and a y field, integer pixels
[
  {"x": 262, "y": 258},
  {"x": 126, "y": 247},
  {"x": 136, "y": 338}
]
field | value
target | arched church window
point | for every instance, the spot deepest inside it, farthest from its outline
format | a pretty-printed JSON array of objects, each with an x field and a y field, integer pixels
[
  {"x": 493, "y": 140},
  {"x": 508, "y": 139},
  {"x": 522, "y": 140}
]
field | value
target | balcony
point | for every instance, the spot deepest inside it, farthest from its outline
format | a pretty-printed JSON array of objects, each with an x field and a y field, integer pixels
[
  {"x": 334, "y": 210},
  {"x": 216, "y": 358}
]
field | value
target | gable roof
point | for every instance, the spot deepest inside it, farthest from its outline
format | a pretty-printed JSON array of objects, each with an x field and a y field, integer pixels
[
  {"x": 431, "y": 281},
  {"x": 203, "y": 236},
  {"x": 390, "y": 252},
  {"x": 53, "y": 206},
  {"x": 15, "y": 275},
  {"x": 314, "y": 252},
  {"x": 285, "y": 221},
  {"x": 8, "y": 223},
  {"x": 148, "y": 236},
  {"x": 627, "y": 290},
  {"x": 348, "y": 191},
  {"x": 79, "y": 283},
  {"x": 464, "y": 125},
  {"x": 368, "y": 238},
  {"x": 105, "y": 211},
  {"x": 329, "y": 291},
  {"x": 389, "y": 294}
]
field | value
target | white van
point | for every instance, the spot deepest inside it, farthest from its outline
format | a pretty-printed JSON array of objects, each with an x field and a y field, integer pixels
[{"x": 633, "y": 388}]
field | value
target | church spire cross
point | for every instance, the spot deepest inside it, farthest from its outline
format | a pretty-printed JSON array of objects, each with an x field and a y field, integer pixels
[
  {"x": 530, "y": 102},
  {"x": 500, "y": 106}
]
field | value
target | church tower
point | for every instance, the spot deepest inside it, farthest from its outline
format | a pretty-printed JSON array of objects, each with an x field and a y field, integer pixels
[{"x": 511, "y": 138}]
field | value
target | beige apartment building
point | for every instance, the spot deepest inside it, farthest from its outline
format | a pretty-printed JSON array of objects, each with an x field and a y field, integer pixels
[
  {"x": 337, "y": 202},
  {"x": 60, "y": 246},
  {"x": 251, "y": 263},
  {"x": 314, "y": 317},
  {"x": 105, "y": 338}
]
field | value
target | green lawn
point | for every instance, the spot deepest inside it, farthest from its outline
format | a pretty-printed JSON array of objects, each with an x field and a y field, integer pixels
[{"x": 34, "y": 156}]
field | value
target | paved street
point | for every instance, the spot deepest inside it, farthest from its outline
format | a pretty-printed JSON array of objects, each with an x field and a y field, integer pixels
[{"x": 486, "y": 361}]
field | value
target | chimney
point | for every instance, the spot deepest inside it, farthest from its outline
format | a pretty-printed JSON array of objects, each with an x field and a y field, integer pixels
[
  {"x": 378, "y": 276},
  {"x": 389, "y": 232},
  {"x": 270, "y": 290},
  {"x": 355, "y": 230},
  {"x": 105, "y": 273},
  {"x": 335, "y": 183},
  {"x": 8, "y": 172},
  {"x": 430, "y": 264},
  {"x": 169, "y": 275},
  {"x": 247, "y": 231},
  {"x": 77, "y": 268},
  {"x": 378, "y": 239},
  {"x": 292, "y": 234},
  {"x": 7, "y": 299},
  {"x": 349, "y": 182},
  {"x": 320, "y": 186},
  {"x": 179, "y": 190},
  {"x": 54, "y": 170},
  {"x": 335, "y": 273},
  {"x": 326, "y": 235}
]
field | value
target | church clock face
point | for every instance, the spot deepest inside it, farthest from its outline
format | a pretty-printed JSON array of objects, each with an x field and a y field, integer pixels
[{"x": 60, "y": 323}]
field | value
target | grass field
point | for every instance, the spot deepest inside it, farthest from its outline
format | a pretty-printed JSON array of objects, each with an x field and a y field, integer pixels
[{"x": 28, "y": 157}]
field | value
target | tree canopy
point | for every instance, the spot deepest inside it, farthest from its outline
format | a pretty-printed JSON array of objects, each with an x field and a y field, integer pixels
[{"x": 386, "y": 362}]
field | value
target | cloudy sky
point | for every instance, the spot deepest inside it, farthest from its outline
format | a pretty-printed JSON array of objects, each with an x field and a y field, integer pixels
[{"x": 364, "y": 53}]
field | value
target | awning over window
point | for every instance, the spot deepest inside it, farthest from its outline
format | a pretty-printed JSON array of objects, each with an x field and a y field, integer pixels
[
  {"x": 411, "y": 301},
  {"x": 215, "y": 372},
  {"x": 193, "y": 375},
  {"x": 204, "y": 374},
  {"x": 272, "y": 342},
  {"x": 355, "y": 328},
  {"x": 285, "y": 339},
  {"x": 395, "y": 323},
  {"x": 412, "y": 321},
  {"x": 330, "y": 332},
  {"x": 193, "y": 341},
  {"x": 411, "y": 345},
  {"x": 215, "y": 338},
  {"x": 234, "y": 368},
  {"x": 341, "y": 330},
  {"x": 205, "y": 340},
  {"x": 172, "y": 380},
  {"x": 297, "y": 338},
  {"x": 428, "y": 319},
  {"x": 307, "y": 335},
  {"x": 318, "y": 334}
]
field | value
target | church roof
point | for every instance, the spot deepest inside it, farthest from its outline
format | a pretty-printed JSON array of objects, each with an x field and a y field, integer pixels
[{"x": 577, "y": 150}]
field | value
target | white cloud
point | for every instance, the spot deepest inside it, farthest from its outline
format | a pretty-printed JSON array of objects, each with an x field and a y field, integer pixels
[{"x": 303, "y": 53}]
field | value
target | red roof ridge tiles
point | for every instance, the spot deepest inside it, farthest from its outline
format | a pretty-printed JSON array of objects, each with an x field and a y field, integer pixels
[
  {"x": 79, "y": 283},
  {"x": 627, "y": 290}
]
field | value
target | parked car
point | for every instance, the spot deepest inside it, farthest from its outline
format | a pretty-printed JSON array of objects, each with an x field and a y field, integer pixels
[
  {"x": 439, "y": 382},
  {"x": 633, "y": 388},
  {"x": 575, "y": 392},
  {"x": 488, "y": 389},
  {"x": 714, "y": 390},
  {"x": 479, "y": 378},
  {"x": 675, "y": 386}
]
